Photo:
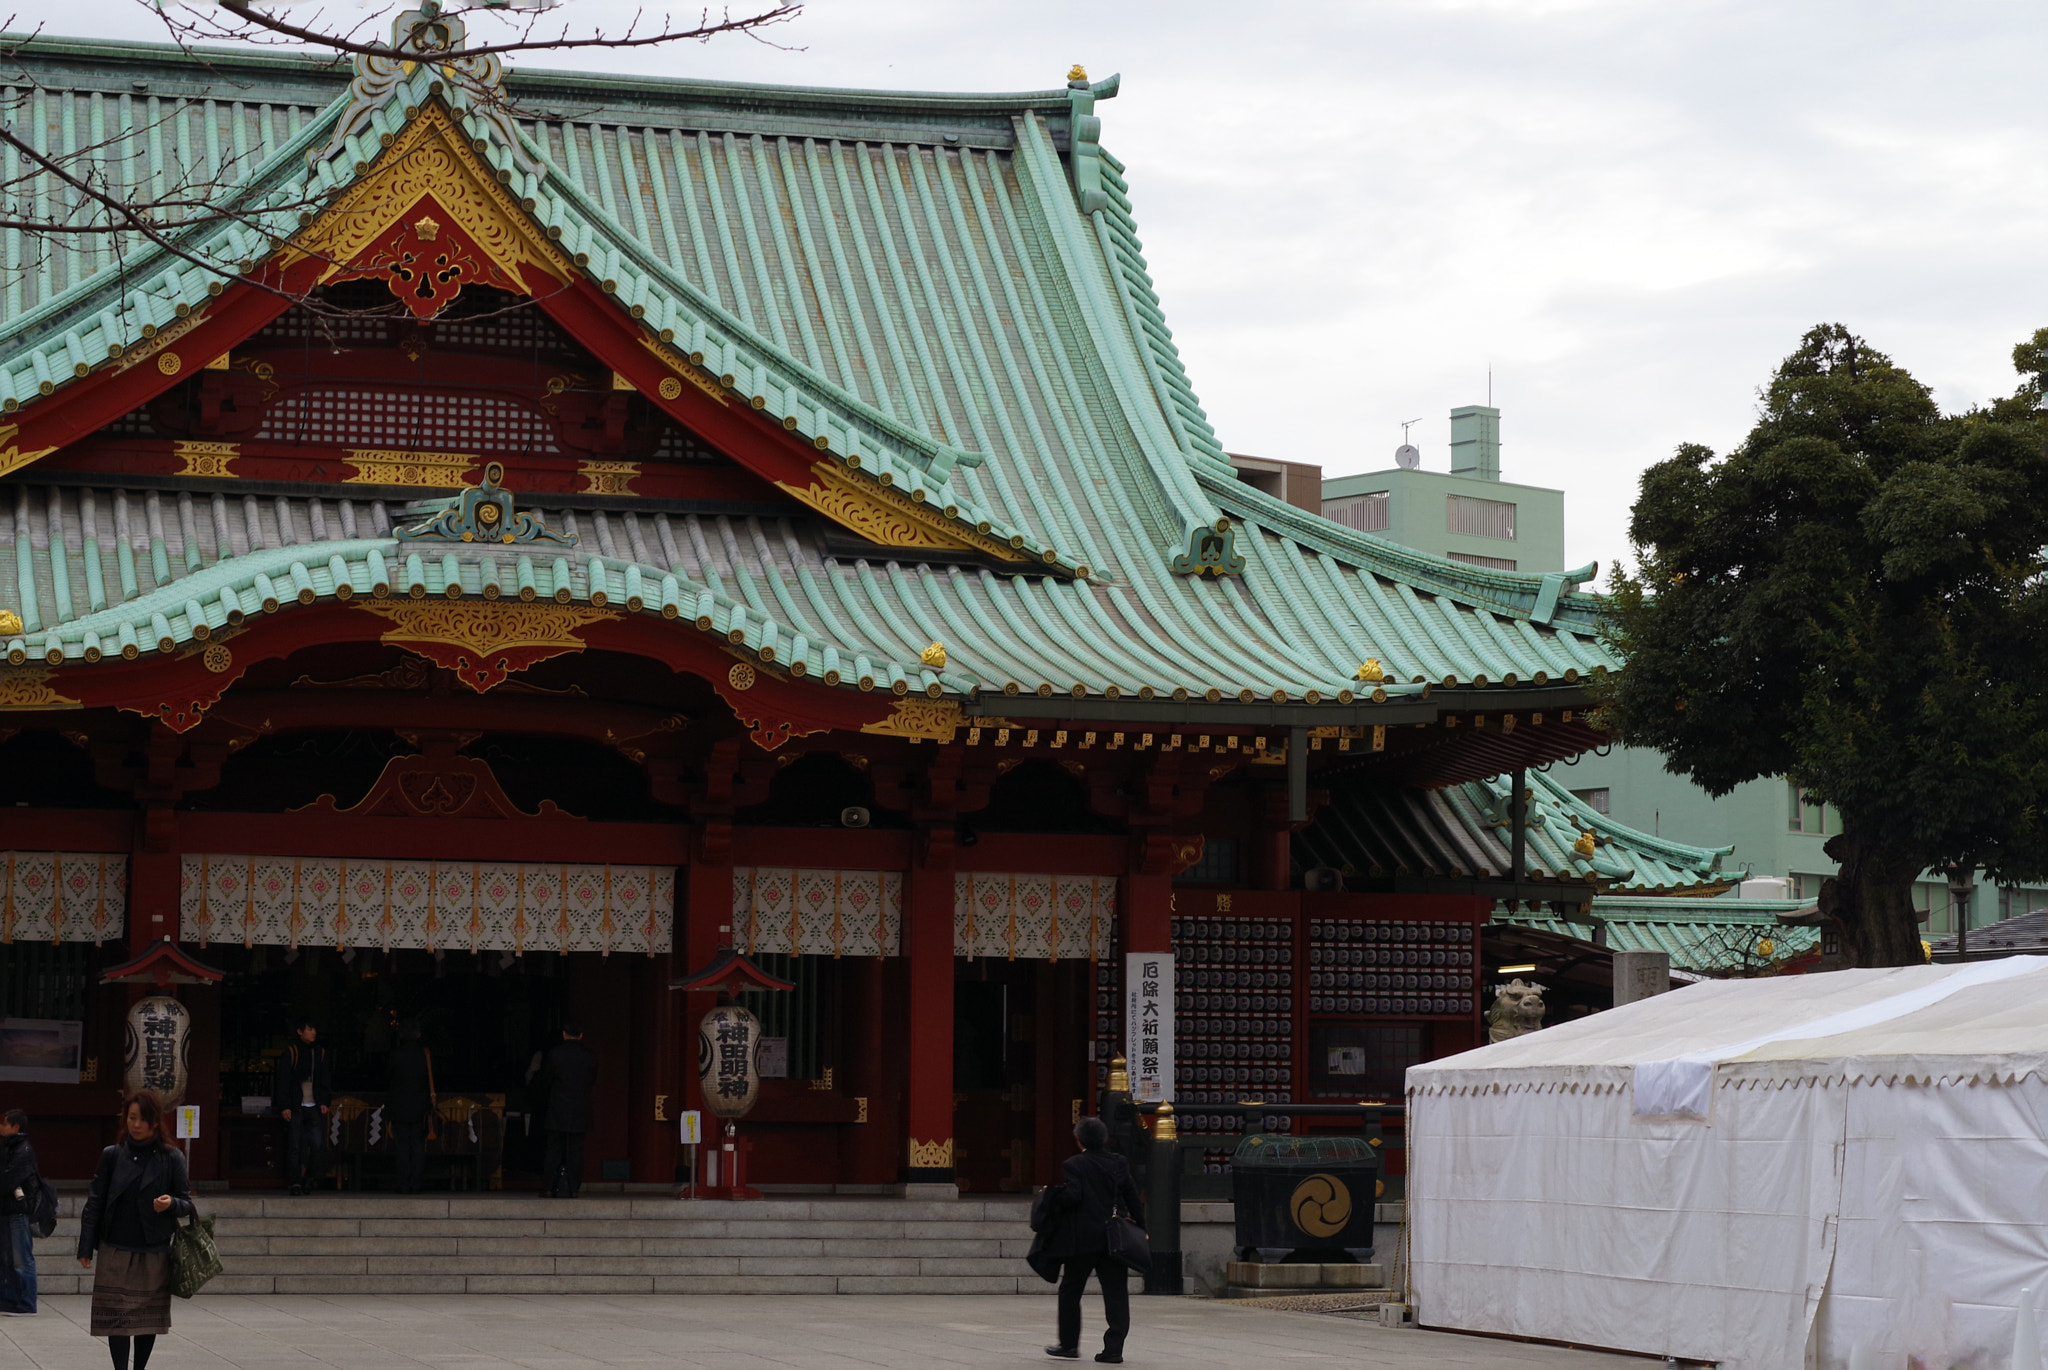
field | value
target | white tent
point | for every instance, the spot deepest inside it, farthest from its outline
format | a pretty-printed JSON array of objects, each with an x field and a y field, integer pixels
[{"x": 1763, "y": 1173}]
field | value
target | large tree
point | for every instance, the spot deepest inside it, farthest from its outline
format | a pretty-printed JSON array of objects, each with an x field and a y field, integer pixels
[{"x": 1854, "y": 599}]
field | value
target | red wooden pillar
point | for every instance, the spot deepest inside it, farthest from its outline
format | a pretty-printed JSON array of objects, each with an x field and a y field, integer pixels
[
  {"x": 653, "y": 1100},
  {"x": 1148, "y": 912},
  {"x": 871, "y": 1145},
  {"x": 706, "y": 926},
  {"x": 928, "y": 948}
]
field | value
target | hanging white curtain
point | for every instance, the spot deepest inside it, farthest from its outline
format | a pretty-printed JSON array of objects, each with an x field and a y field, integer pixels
[
  {"x": 62, "y": 896},
  {"x": 427, "y": 905}
]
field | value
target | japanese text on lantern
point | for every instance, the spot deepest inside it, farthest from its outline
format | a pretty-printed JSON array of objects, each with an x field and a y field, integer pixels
[
  {"x": 735, "y": 1044},
  {"x": 1148, "y": 1025}
]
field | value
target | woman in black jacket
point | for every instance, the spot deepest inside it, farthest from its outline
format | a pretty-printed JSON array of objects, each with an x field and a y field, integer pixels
[
  {"x": 1098, "y": 1184},
  {"x": 138, "y": 1194}
]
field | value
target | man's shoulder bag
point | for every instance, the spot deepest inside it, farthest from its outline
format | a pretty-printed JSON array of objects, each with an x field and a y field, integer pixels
[{"x": 1126, "y": 1241}]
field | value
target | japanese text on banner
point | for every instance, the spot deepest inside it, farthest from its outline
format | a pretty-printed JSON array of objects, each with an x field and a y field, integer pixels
[{"x": 1148, "y": 1025}]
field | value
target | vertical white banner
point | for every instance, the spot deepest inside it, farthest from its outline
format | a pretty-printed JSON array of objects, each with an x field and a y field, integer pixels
[{"x": 1148, "y": 1024}]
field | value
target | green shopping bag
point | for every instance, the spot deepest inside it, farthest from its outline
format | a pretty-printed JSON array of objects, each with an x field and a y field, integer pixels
[{"x": 195, "y": 1257}]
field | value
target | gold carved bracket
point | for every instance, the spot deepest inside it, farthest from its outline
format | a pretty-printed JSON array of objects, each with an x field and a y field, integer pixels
[
  {"x": 935, "y": 720},
  {"x": 931, "y": 1155},
  {"x": 483, "y": 642},
  {"x": 30, "y": 689},
  {"x": 888, "y": 518}
]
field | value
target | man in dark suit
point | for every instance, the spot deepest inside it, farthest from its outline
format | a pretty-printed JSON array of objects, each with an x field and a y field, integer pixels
[
  {"x": 568, "y": 1078},
  {"x": 1098, "y": 1184},
  {"x": 408, "y": 1101},
  {"x": 301, "y": 1094}
]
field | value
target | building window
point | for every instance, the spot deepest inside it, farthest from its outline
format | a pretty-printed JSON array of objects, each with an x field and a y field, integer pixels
[
  {"x": 1596, "y": 800},
  {"x": 1366, "y": 514},
  {"x": 1804, "y": 812},
  {"x": 1490, "y": 563},
  {"x": 1219, "y": 864},
  {"x": 1481, "y": 518}
]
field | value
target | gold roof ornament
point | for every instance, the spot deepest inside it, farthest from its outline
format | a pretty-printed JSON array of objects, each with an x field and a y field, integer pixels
[
  {"x": 934, "y": 656},
  {"x": 1584, "y": 846},
  {"x": 1369, "y": 671},
  {"x": 1079, "y": 73},
  {"x": 10, "y": 622}
]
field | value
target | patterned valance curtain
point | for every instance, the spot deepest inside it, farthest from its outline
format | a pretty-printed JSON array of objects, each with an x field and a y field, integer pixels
[
  {"x": 62, "y": 896},
  {"x": 793, "y": 911},
  {"x": 796, "y": 912},
  {"x": 518, "y": 907},
  {"x": 1040, "y": 917}
]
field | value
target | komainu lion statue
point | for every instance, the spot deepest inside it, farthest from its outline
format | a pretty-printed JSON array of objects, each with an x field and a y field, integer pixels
[{"x": 1517, "y": 1010}]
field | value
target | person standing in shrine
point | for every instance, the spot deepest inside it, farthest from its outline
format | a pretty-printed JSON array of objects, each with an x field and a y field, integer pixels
[
  {"x": 131, "y": 1213},
  {"x": 408, "y": 1105},
  {"x": 303, "y": 1091},
  {"x": 569, "y": 1076},
  {"x": 21, "y": 1185}
]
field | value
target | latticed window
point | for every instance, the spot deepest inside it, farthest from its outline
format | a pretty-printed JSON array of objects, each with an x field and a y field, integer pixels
[
  {"x": 1490, "y": 563},
  {"x": 409, "y": 421},
  {"x": 1367, "y": 513},
  {"x": 1220, "y": 864},
  {"x": 1480, "y": 518}
]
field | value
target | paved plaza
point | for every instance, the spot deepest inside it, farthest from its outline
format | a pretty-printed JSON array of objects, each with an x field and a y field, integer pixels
[{"x": 568, "y": 1332}]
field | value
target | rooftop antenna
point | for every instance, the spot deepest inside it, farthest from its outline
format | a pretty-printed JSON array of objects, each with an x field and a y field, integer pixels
[
  {"x": 1489, "y": 385},
  {"x": 1408, "y": 456}
]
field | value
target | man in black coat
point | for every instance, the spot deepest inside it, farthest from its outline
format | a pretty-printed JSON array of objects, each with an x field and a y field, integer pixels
[
  {"x": 407, "y": 1102},
  {"x": 1098, "y": 1184},
  {"x": 568, "y": 1078},
  {"x": 301, "y": 1094},
  {"x": 21, "y": 1186}
]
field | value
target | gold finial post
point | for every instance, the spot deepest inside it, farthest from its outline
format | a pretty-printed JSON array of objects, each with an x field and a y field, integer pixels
[
  {"x": 1119, "y": 1075},
  {"x": 1079, "y": 73},
  {"x": 1165, "y": 1129}
]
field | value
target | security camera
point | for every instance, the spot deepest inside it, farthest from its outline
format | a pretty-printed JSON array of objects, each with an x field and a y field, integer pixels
[{"x": 853, "y": 816}]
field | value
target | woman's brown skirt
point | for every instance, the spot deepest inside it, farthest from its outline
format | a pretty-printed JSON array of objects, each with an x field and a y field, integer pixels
[{"x": 131, "y": 1293}]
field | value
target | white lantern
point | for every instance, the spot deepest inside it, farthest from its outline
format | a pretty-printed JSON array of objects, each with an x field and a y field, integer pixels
[
  {"x": 159, "y": 1043},
  {"x": 726, "y": 1042}
]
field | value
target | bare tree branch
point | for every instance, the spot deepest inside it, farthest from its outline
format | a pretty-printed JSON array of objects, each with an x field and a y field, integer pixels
[{"x": 106, "y": 197}]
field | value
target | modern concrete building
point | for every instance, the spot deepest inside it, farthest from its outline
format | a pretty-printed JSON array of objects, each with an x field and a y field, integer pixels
[{"x": 1468, "y": 514}]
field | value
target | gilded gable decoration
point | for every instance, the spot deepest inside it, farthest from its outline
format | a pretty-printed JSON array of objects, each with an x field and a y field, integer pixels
[{"x": 483, "y": 513}]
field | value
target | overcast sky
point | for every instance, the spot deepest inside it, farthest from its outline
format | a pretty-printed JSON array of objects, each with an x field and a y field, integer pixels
[{"x": 1628, "y": 209}]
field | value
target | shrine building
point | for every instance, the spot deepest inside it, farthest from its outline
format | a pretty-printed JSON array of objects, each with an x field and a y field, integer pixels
[{"x": 543, "y": 530}]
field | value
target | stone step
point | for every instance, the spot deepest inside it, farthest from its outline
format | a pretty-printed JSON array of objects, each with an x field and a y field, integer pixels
[{"x": 338, "y": 1244}]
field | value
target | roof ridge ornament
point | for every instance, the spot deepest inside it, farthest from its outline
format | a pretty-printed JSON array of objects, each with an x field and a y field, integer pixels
[
  {"x": 1211, "y": 551},
  {"x": 483, "y": 513},
  {"x": 428, "y": 37}
]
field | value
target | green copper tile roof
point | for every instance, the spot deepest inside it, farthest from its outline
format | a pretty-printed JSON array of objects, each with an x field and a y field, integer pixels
[
  {"x": 1373, "y": 831},
  {"x": 1705, "y": 936},
  {"x": 907, "y": 277}
]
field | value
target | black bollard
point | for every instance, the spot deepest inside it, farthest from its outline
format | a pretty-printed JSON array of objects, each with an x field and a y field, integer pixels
[{"x": 1162, "y": 1206}]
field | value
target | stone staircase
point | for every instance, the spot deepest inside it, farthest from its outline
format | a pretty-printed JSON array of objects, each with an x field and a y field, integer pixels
[{"x": 520, "y": 1244}]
